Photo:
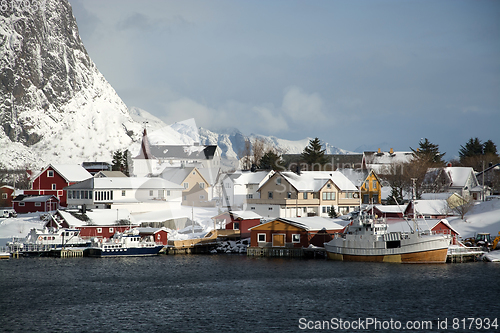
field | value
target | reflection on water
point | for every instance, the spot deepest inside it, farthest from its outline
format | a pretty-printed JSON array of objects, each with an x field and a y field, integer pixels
[{"x": 188, "y": 293}]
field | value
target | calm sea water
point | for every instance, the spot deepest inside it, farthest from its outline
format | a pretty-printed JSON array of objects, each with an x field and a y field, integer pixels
[{"x": 235, "y": 293}]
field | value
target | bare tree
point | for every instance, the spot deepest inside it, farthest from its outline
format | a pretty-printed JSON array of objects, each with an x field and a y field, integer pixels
[
  {"x": 258, "y": 150},
  {"x": 246, "y": 155},
  {"x": 464, "y": 208}
]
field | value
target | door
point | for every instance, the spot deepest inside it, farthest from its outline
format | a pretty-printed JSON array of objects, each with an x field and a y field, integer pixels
[{"x": 278, "y": 240}]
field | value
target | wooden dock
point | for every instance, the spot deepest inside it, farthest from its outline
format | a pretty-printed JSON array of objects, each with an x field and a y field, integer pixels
[
  {"x": 193, "y": 246},
  {"x": 275, "y": 252},
  {"x": 462, "y": 254}
]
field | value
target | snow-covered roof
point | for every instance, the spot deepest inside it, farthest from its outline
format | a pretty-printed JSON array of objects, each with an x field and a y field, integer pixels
[
  {"x": 436, "y": 196},
  {"x": 459, "y": 175},
  {"x": 249, "y": 177},
  {"x": 125, "y": 183},
  {"x": 313, "y": 223},
  {"x": 176, "y": 175},
  {"x": 313, "y": 181},
  {"x": 109, "y": 174},
  {"x": 37, "y": 198},
  {"x": 389, "y": 208},
  {"x": 432, "y": 207},
  {"x": 356, "y": 176},
  {"x": 70, "y": 172},
  {"x": 245, "y": 214},
  {"x": 210, "y": 174},
  {"x": 188, "y": 152}
]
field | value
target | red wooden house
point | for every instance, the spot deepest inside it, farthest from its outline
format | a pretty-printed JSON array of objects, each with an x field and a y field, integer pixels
[
  {"x": 54, "y": 178},
  {"x": 444, "y": 227},
  {"x": 6, "y": 195},
  {"x": 238, "y": 220},
  {"x": 297, "y": 232},
  {"x": 37, "y": 203}
]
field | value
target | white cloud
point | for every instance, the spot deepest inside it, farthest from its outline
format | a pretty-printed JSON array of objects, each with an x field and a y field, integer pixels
[
  {"x": 303, "y": 107},
  {"x": 269, "y": 120}
]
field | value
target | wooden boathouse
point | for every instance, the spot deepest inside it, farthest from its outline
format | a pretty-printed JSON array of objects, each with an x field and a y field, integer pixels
[{"x": 290, "y": 236}]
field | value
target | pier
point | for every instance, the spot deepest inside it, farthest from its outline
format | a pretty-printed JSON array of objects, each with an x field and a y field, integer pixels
[
  {"x": 193, "y": 246},
  {"x": 275, "y": 252},
  {"x": 461, "y": 254}
]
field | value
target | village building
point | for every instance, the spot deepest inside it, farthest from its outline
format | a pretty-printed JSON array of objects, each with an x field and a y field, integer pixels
[
  {"x": 294, "y": 232},
  {"x": 387, "y": 211},
  {"x": 138, "y": 194},
  {"x": 153, "y": 159},
  {"x": 196, "y": 189},
  {"x": 238, "y": 222},
  {"x": 368, "y": 183},
  {"x": 95, "y": 167},
  {"x": 7, "y": 193},
  {"x": 239, "y": 186},
  {"x": 460, "y": 180},
  {"x": 429, "y": 209},
  {"x": 102, "y": 174},
  {"x": 386, "y": 162},
  {"x": 310, "y": 193},
  {"x": 23, "y": 204},
  {"x": 52, "y": 180}
]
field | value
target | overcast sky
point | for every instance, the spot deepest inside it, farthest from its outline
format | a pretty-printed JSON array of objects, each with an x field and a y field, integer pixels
[{"x": 352, "y": 73}]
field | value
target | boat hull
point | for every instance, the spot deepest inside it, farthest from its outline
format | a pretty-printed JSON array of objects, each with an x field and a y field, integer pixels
[
  {"x": 125, "y": 252},
  {"x": 423, "y": 257}
]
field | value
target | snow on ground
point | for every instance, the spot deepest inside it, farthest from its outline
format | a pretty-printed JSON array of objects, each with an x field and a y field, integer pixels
[{"x": 484, "y": 217}]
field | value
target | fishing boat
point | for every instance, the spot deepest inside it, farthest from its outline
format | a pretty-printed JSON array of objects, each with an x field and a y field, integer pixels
[
  {"x": 51, "y": 238},
  {"x": 367, "y": 238},
  {"x": 128, "y": 243}
]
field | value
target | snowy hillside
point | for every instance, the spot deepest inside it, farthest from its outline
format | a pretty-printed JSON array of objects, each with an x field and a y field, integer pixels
[{"x": 55, "y": 106}]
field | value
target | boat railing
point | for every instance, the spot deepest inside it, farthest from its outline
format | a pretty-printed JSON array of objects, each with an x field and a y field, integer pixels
[{"x": 27, "y": 247}]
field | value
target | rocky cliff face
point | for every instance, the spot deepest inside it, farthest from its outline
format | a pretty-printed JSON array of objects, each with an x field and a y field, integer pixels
[{"x": 53, "y": 100}]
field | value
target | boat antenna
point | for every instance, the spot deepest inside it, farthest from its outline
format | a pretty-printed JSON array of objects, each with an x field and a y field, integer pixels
[
  {"x": 413, "y": 202},
  {"x": 403, "y": 214}
]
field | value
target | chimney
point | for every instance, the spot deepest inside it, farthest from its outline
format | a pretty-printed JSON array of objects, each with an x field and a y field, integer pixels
[
  {"x": 449, "y": 165},
  {"x": 391, "y": 151},
  {"x": 379, "y": 151}
]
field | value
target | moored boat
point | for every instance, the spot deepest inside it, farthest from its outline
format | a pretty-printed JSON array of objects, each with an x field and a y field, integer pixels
[
  {"x": 368, "y": 239},
  {"x": 129, "y": 243},
  {"x": 50, "y": 238}
]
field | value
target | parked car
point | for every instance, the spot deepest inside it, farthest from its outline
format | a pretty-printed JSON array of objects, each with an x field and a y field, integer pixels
[{"x": 8, "y": 212}]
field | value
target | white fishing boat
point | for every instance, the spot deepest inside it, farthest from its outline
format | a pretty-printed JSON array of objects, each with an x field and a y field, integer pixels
[
  {"x": 51, "y": 238},
  {"x": 368, "y": 239},
  {"x": 129, "y": 243}
]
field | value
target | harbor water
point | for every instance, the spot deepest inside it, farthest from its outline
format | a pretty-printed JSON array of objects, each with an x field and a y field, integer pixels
[{"x": 236, "y": 293}]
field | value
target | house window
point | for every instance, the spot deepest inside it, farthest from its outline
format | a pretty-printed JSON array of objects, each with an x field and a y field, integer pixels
[
  {"x": 304, "y": 195},
  {"x": 21, "y": 204},
  {"x": 38, "y": 204},
  {"x": 4, "y": 195},
  {"x": 150, "y": 193},
  {"x": 161, "y": 194},
  {"x": 328, "y": 185},
  {"x": 295, "y": 238},
  {"x": 315, "y": 195},
  {"x": 289, "y": 195},
  {"x": 50, "y": 173},
  {"x": 54, "y": 186},
  {"x": 367, "y": 184},
  {"x": 123, "y": 193},
  {"x": 269, "y": 195},
  {"x": 202, "y": 185},
  {"x": 252, "y": 208},
  {"x": 186, "y": 185},
  {"x": 374, "y": 184},
  {"x": 236, "y": 226},
  {"x": 249, "y": 196},
  {"x": 328, "y": 195},
  {"x": 278, "y": 180},
  {"x": 99, "y": 230},
  {"x": 111, "y": 230},
  {"x": 270, "y": 208},
  {"x": 261, "y": 237},
  {"x": 168, "y": 193},
  {"x": 202, "y": 197}
]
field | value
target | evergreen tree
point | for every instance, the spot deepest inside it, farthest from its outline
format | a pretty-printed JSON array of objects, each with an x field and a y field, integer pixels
[
  {"x": 125, "y": 157},
  {"x": 332, "y": 213},
  {"x": 490, "y": 148},
  {"x": 271, "y": 161},
  {"x": 396, "y": 197},
  {"x": 472, "y": 148},
  {"x": 313, "y": 155},
  {"x": 117, "y": 163},
  {"x": 428, "y": 153}
]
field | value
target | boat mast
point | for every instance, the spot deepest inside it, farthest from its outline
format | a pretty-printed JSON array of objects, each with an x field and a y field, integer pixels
[{"x": 413, "y": 199}]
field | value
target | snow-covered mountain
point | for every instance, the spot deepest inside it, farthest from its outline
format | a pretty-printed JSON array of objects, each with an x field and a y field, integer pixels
[{"x": 56, "y": 107}]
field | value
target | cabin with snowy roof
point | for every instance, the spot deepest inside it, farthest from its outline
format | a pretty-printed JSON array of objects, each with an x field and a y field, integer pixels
[
  {"x": 294, "y": 232},
  {"x": 309, "y": 193},
  {"x": 460, "y": 180},
  {"x": 153, "y": 159},
  {"x": 384, "y": 162},
  {"x": 6, "y": 195},
  {"x": 239, "y": 186},
  {"x": 239, "y": 222},
  {"x": 107, "y": 192},
  {"x": 429, "y": 209},
  {"x": 52, "y": 180},
  {"x": 196, "y": 189},
  {"x": 23, "y": 204}
]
